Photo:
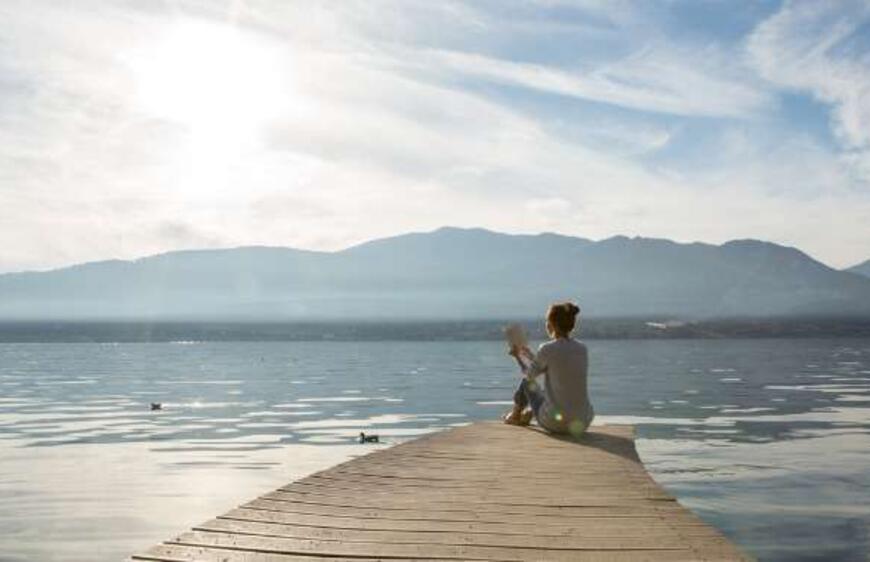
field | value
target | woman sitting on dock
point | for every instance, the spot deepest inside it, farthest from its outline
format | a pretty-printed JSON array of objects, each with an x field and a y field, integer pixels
[{"x": 561, "y": 404}]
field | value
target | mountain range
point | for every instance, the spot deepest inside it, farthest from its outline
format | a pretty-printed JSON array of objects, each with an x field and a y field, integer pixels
[
  {"x": 861, "y": 269},
  {"x": 449, "y": 273}
]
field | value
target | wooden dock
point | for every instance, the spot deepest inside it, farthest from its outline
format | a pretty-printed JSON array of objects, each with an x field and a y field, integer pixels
[{"x": 486, "y": 491}]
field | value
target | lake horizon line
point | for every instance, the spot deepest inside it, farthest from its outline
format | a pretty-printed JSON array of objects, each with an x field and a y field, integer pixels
[{"x": 163, "y": 330}]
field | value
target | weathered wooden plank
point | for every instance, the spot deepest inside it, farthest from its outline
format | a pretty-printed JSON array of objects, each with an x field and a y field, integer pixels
[
  {"x": 460, "y": 514},
  {"x": 528, "y": 489},
  {"x": 480, "y": 492},
  {"x": 181, "y": 553},
  {"x": 463, "y": 513},
  {"x": 376, "y": 482},
  {"x": 555, "y": 528},
  {"x": 542, "y": 506},
  {"x": 459, "y": 483},
  {"x": 337, "y": 548},
  {"x": 483, "y": 476},
  {"x": 613, "y": 538}
]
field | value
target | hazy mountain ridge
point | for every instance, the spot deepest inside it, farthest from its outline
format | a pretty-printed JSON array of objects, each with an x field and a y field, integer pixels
[
  {"x": 861, "y": 269},
  {"x": 447, "y": 273}
]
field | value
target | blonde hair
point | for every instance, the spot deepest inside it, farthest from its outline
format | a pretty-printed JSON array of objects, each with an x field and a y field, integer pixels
[{"x": 561, "y": 319}]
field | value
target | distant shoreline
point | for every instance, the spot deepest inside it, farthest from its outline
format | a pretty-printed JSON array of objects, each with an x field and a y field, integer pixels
[{"x": 61, "y": 331}]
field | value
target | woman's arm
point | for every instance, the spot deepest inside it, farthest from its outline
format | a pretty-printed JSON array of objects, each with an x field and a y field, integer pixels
[
  {"x": 531, "y": 369},
  {"x": 520, "y": 362},
  {"x": 516, "y": 353}
]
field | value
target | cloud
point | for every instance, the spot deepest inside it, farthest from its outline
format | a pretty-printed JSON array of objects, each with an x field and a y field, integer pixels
[
  {"x": 651, "y": 79},
  {"x": 822, "y": 48}
]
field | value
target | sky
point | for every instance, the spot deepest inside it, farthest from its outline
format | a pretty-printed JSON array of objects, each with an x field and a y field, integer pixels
[{"x": 131, "y": 128}]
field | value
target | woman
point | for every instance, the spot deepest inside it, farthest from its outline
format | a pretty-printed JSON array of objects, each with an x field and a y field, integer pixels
[{"x": 561, "y": 405}]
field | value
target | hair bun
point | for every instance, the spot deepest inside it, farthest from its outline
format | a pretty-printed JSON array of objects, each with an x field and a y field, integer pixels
[{"x": 561, "y": 318}]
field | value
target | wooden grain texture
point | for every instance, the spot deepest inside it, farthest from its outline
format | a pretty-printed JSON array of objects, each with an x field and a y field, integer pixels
[{"x": 485, "y": 491}]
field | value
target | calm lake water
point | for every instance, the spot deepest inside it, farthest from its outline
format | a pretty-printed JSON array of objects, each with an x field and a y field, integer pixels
[{"x": 769, "y": 440}]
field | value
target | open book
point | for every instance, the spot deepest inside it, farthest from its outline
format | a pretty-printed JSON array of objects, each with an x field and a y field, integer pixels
[{"x": 516, "y": 336}]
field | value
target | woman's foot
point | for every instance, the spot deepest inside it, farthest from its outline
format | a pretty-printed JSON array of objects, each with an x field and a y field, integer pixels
[
  {"x": 513, "y": 417},
  {"x": 526, "y": 417},
  {"x": 519, "y": 417}
]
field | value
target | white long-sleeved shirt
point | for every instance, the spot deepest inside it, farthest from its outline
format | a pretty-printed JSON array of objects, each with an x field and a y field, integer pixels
[{"x": 565, "y": 364}]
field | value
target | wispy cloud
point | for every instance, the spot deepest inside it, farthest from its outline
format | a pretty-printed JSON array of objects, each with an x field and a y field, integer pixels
[
  {"x": 823, "y": 48},
  {"x": 648, "y": 80}
]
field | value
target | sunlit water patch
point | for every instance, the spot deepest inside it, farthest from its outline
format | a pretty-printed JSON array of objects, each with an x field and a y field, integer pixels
[{"x": 769, "y": 439}]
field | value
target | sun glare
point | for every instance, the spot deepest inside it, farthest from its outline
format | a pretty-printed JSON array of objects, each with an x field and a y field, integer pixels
[
  {"x": 210, "y": 76},
  {"x": 223, "y": 84}
]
